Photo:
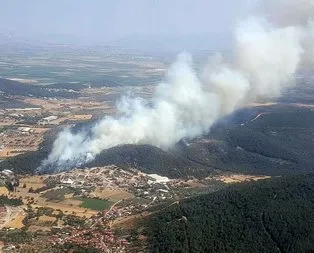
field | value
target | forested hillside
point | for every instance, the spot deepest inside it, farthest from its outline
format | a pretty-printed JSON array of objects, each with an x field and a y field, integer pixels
[
  {"x": 274, "y": 215},
  {"x": 151, "y": 159},
  {"x": 277, "y": 143}
]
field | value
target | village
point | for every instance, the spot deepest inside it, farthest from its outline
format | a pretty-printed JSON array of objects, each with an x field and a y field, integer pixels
[
  {"x": 85, "y": 203},
  {"x": 97, "y": 207}
]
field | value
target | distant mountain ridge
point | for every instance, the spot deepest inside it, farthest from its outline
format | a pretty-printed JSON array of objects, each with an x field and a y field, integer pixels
[{"x": 12, "y": 87}]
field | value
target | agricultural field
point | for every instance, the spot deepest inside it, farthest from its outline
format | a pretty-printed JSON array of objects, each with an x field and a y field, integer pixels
[
  {"x": 95, "y": 204},
  {"x": 111, "y": 194}
]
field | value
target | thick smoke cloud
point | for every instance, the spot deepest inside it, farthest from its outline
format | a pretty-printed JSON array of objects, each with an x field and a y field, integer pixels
[
  {"x": 269, "y": 56},
  {"x": 187, "y": 104},
  {"x": 287, "y": 12}
]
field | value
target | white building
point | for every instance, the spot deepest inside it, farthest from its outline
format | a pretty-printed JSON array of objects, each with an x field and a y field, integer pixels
[
  {"x": 154, "y": 178},
  {"x": 47, "y": 120}
]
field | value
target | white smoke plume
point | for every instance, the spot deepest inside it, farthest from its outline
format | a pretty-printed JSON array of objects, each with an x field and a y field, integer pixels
[
  {"x": 287, "y": 12},
  {"x": 186, "y": 105}
]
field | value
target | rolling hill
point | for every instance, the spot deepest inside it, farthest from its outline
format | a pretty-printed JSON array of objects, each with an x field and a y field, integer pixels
[
  {"x": 278, "y": 143},
  {"x": 273, "y": 215}
]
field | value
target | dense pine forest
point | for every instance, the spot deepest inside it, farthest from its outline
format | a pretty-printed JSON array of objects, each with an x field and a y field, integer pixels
[{"x": 274, "y": 215}]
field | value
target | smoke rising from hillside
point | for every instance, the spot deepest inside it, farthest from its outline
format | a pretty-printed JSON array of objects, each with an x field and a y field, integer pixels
[{"x": 186, "y": 104}]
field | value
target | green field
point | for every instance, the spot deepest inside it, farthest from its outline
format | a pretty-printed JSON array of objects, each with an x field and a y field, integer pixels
[{"x": 95, "y": 204}]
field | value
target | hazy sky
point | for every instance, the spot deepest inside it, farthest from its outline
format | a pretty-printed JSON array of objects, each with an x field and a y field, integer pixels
[{"x": 105, "y": 20}]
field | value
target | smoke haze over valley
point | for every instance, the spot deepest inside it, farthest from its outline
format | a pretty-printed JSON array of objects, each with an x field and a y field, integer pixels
[{"x": 266, "y": 55}]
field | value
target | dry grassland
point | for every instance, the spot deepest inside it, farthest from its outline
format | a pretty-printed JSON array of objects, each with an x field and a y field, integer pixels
[
  {"x": 238, "y": 178},
  {"x": 4, "y": 191},
  {"x": 111, "y": 194},
  {"x": 46, "y": 218},
  {"x": 16, "y": 222}
]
